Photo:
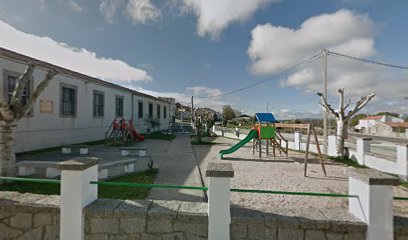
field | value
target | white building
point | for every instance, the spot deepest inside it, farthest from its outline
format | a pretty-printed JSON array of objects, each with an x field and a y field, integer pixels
[
  {"x": 75, "y": 108},
  {"x": 365, "y": 124},
  {"x": 172, "y": 110}
]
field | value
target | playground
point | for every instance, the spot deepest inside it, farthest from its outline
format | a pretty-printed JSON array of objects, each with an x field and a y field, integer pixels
[{"x": 256, "y": 166}]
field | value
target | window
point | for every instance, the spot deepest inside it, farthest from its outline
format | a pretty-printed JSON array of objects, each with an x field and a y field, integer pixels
[
  {"x": 119, "y": 106},
  {"x": 68, "y": 101},
  {"x": 164, "y": 112},
  {"x": 150, "y": 109},
  {"x": 140, "y": 109},
  {"x": 11, "y": 85},
  {"x": 158, "y": 111},
  {"x": 98, "y": 103}
]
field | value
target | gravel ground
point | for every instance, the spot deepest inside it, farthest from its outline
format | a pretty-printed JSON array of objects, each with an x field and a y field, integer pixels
[{"x": 286, "y": 174}]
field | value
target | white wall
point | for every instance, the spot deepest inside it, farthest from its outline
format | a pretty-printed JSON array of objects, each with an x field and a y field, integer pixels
[{"x": 44, "y": 130}]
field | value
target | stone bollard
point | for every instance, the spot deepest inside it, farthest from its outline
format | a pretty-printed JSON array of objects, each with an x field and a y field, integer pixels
[
  {"x": 219, "y": 214},
  {"x": 331, "y": 146},
  {"x": 363, "y": 146},
  {"x": 76, "y": 193},
  {"x": 374, "y": 204},
  {"x": 402, "y": 160},
  {"x": 298, "y": 141}
]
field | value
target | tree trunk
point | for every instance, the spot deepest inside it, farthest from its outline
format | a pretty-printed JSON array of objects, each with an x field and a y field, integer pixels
[
  {"x": 340, "y": 138},
  {"x": 7, "y": 154}
]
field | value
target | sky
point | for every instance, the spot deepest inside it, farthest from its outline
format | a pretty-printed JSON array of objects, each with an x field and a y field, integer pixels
[{"x": 204, "y": 48}]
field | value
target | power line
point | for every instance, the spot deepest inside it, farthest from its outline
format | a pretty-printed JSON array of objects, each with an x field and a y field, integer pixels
[
  {"x": 317, "y": 56},
  {"x": 367, "y": 60}
]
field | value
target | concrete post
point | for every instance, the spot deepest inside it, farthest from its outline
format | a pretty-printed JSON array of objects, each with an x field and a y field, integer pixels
[
  {"x": 298, "y": 141},
  {"x": 374, "y": 204},
  {"x": 219, "y": 215},
  {"x": 363, "y": 146},
  {"x": 331, "y": 147},
  {"x": 76, "y": 193},
  {"x": 402, "y": 160}
]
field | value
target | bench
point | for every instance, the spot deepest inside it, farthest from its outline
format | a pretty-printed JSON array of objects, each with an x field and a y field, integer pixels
[
  {"x": 47, "y": 168},
  {"x": 83, "y": 149},
  {"x": 122, "y": 167},
  {"x": 141, "y": 151}
]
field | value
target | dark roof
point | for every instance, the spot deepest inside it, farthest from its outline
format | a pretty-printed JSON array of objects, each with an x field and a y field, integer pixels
[
  {"x": 18, "y": 56},
  {"x": 265, "y": 117}
]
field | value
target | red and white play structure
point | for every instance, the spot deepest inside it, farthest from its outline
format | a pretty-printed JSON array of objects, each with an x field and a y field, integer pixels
[{"x": 121, "y": 132}]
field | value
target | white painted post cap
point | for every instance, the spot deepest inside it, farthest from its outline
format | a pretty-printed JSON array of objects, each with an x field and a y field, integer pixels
[
  {"x": 78, "y": 164},
  {"x": 373, "y": 177},
  {"x": 219, "y": 170}
]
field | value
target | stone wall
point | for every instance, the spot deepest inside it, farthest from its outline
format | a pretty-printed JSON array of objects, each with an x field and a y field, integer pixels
[{"x": 30, "y": 216}]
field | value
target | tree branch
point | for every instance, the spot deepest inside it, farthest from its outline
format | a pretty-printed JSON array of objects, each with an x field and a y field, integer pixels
[
  {"x": 360, "y": 104},
  {"x": 341, "y": 103},
  {"x": 347, "y": 105},
  {"x": 21, "y": 84},
  {"x": 38, "y": 90},
  {"x": 327, "y": 106}
]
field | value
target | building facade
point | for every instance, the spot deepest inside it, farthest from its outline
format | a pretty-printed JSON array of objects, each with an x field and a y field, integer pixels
[
  {"x": 365, "y": 125},
  {"x": 75, "y": 108}
]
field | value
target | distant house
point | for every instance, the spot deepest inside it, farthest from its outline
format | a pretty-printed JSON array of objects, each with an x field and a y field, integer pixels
[
  {"x": 390, "y": 129},
  {"x": 365, "y": 125}
]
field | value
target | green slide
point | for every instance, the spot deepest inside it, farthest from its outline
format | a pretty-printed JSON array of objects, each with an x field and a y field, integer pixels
[{"x": 234, "y": 148}]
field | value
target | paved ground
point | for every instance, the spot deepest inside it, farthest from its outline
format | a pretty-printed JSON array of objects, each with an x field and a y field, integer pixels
[
  {"x": 177, "y": 166},
  {"x": 286, "y": 174},
  {"x": 179, "y": 163}
]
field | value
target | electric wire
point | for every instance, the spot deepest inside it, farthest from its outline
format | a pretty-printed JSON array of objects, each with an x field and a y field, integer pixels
[
  {"x": 315, "y": 57},
  {"x": 336, "y": 54}
]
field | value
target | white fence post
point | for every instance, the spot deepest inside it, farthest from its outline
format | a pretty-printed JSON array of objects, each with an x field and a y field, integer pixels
[
  {"x": 331, "y": 146},
  {"x": 76, "y": 193},
  {"x": 374, "y": 204},
  {"x": 402, "y": 160},
  {"x": 363, "y": 146},
  {"x": 219, "y": 214},
  {"x": 298, "y": 141}
]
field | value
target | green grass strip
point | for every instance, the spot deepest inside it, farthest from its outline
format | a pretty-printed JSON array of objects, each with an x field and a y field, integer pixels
[
  {"x": 32, "y": 180},
  {"x": 294, "y": 193},
  {"x": 148, "y": 185},
  {"x": 143, "y": 185}
]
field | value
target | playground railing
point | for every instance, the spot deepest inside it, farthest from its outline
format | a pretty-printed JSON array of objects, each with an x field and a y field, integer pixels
[{"x": 366, "y": 187}]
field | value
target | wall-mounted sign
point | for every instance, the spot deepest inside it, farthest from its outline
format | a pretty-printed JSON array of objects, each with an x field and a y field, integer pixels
[{"x": 46, "y": 106}]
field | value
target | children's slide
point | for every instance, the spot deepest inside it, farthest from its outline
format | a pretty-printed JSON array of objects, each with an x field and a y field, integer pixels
[
  {"x": 252, "y": 134},
  {"x": 135, "y": 134}
]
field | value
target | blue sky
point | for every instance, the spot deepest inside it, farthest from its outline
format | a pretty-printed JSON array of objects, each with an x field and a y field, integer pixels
[{"x": 207, "y": 47}]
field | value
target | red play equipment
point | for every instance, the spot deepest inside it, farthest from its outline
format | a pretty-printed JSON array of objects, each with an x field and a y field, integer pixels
[{"x": 122, "y": 131}]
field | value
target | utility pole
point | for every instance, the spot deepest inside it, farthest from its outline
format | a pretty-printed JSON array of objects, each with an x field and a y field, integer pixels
[
  {"x": 193, "y": 120},
  {"x": 325, "y": 52},
  {"x": 267, "y": 107}
]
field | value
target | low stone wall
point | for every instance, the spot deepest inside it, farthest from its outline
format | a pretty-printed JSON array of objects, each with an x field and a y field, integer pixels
[
  {"x": 30, "y": 216},
  {"x": 145, "y": 219}
]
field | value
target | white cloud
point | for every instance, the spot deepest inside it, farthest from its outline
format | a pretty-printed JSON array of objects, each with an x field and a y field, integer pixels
[
  {"x": 274, "y": 48},
  {"x": 185, "y": 96},
  {"x": 143, "y": 11},
  {"x": 72, "y": 5},
  {"x": 80, "y": 60},
  {"x": 214, "y": 16},
  {"x": 108, "y": 8}
]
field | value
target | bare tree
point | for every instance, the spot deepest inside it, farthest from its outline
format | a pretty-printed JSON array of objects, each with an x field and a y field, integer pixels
[
  {"x": 341, "y": 117},
  {"x": 12, "y": 111}
]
